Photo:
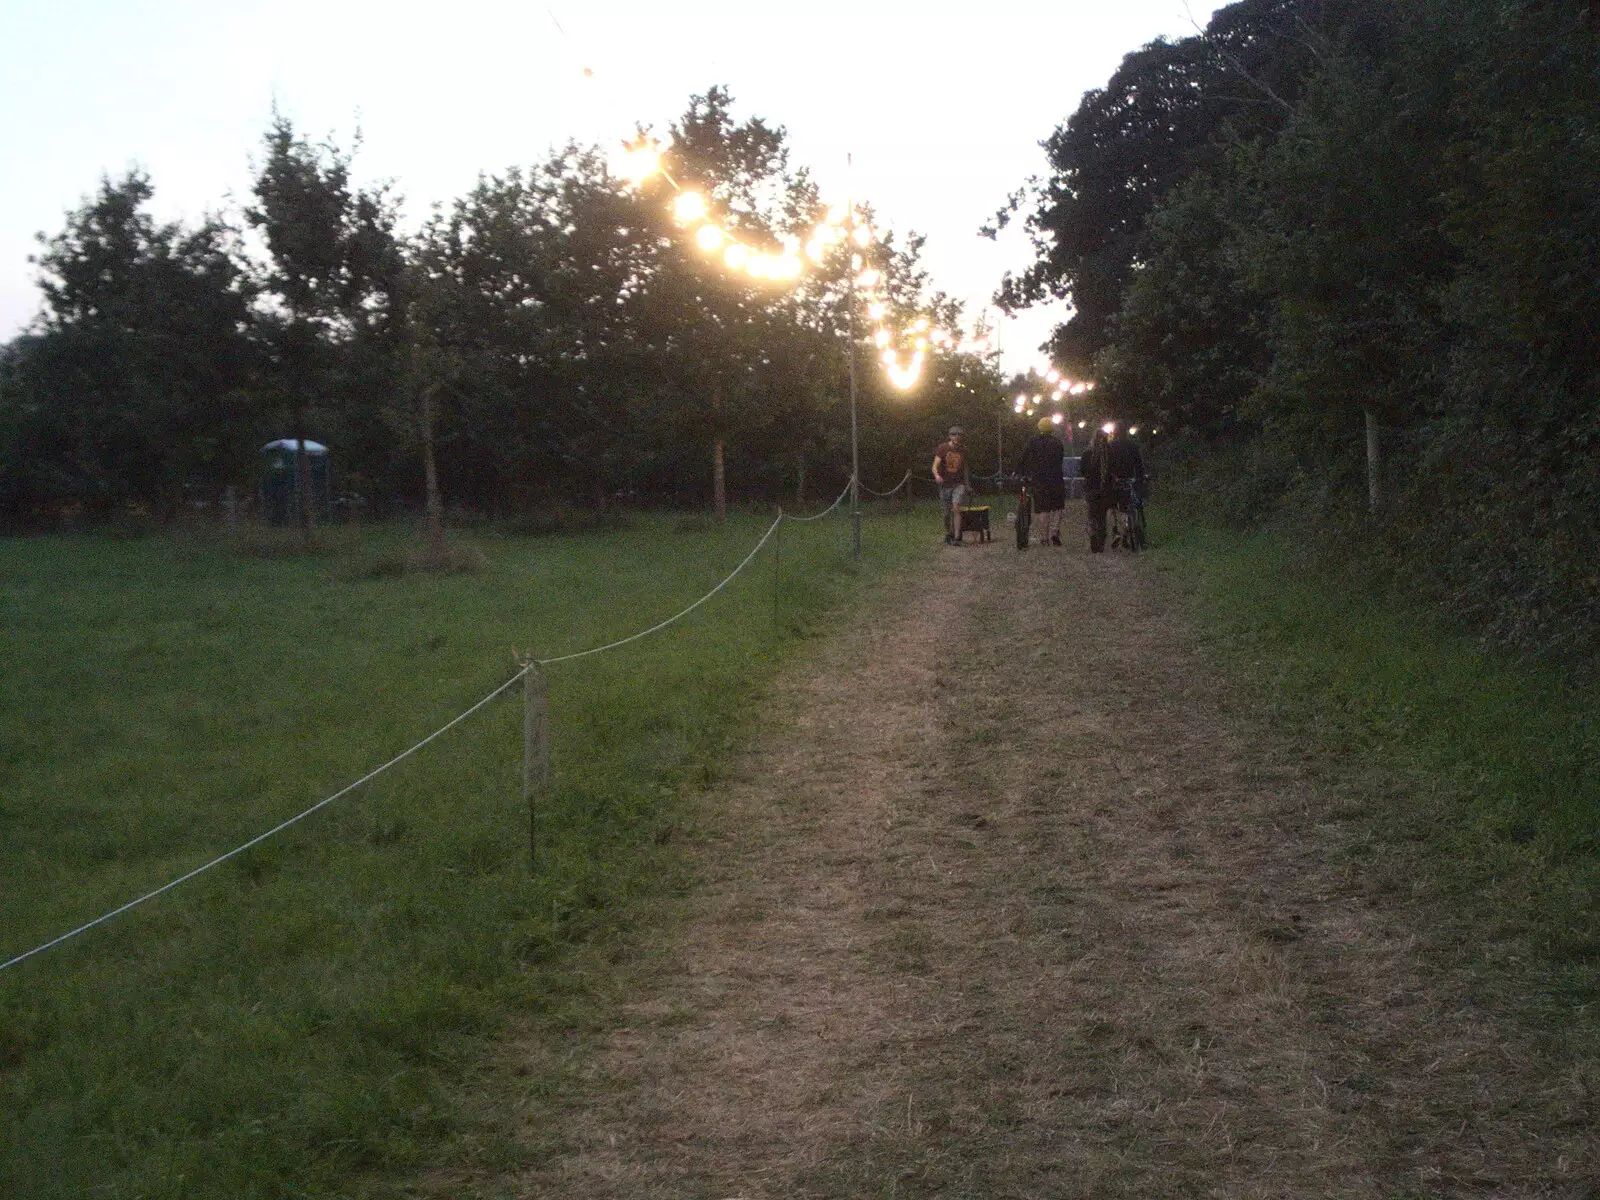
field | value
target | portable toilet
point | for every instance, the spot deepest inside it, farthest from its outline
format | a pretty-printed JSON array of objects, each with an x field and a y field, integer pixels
[{"x": 280, "y": 480}]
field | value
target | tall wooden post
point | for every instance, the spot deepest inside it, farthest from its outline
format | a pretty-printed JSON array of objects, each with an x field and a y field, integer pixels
[
  {"x": 535, "y": 748},
  {"x": 719, "y": 481}
]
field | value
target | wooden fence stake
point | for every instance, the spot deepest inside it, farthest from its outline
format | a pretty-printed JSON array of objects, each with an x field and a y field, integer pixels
[{"x": 535, "y": 748}]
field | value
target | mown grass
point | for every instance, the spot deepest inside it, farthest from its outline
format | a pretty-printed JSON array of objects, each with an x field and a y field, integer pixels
[
  {"x": 308, "y": 1018},
  {"x": 1482, "y": 762}
]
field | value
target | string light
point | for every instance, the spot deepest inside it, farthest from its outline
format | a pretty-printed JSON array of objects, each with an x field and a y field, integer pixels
[{"x": 840, "y": 224}]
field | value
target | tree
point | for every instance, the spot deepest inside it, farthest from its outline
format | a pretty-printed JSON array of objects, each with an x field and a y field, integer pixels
[
  {"x": 331, "y": 246},
  {"x": 1188, "y": 349},
  {"x": 1167, "y": 112},
  {"x": 134, "y": 379},
  {"x": 712, "y": 329}
]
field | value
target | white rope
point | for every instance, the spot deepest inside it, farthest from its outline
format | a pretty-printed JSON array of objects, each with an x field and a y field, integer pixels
[
  {"x": 825, "y": 511},
  {"x": 282, "y": 825},
  {"x": 545, "y": 662},
  {"x": 891, "y": 491},
  {"x": 259, "y": 838}
]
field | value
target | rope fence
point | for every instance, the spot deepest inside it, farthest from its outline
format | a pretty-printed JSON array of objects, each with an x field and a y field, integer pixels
[
  {"x": 535, "y": 775},
  {"x": 785, "y": 516},
  {"x": 904, "y": 482}
]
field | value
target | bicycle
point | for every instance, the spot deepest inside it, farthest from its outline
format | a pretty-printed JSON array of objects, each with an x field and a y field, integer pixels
[
  {"x": 1024, "y": 517},
  {"x": 1127, "y": 518}
]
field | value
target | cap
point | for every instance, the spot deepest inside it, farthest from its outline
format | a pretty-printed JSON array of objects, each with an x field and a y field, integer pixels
[{"x": 957, "y": 431}]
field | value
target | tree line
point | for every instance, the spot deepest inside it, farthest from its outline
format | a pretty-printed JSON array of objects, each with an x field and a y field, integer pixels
[
  {"x": 1349, "y": 250},
  {"x": 550, "y": 337}
]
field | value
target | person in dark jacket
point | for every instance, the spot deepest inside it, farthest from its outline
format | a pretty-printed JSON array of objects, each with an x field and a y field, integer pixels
[
  {"x": 1040, "y": 465},
  {"x": 1110, "y": 463}
]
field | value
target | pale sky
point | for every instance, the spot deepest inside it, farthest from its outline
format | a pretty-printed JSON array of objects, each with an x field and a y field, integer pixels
[{"x": 941, "y": 105}]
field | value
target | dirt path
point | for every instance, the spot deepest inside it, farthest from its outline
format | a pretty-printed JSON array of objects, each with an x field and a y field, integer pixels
[{"x": 980, "y": 921}]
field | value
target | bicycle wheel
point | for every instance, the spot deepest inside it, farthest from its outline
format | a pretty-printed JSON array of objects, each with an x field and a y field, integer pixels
[{"x": 1024, "y": 519}]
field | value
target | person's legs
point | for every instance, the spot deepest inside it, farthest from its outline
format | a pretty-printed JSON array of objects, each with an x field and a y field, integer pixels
[
  {"x": 958, "y": 497},
  {"x": 1050, "y": 528},
  {"x": 1098, "y": 503},
  {"x": 946, "y": 501}
]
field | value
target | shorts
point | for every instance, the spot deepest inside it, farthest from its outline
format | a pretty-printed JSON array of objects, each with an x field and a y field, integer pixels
[
  {"x": 954, "y": 495},
  {"x": 1048, "y": 497}
]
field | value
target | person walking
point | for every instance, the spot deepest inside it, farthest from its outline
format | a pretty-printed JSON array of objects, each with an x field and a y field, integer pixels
[
  {"x": 1110, "y": 465},
  {"x": 950, "y": 473},
  {"x": 1040, "y": 465},
  {"x": 1094, "y": 468}
]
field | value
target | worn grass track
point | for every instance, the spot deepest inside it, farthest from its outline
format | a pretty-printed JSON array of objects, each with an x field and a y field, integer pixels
[{"x": 1007, "y": 900}]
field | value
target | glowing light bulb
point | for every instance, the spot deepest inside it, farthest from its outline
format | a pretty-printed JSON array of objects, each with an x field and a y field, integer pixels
[
  {"x": 787, "y": 266},
  {"x": 639, "y": 163},
  {"x": 815, "y": 249},
  {"x": 876, "y": 309},
  {"x": 1056, "y": 419},
  {"x": 863, "y": 236},
  {"x": 868, "y": 278},
  {"x": 881, "y": 338},
  {"x": 736, "y": 255},
  {"x": 689, "y": 207},
  {"x": 709, "y": 237},
  {"x": 1053, "y": 375}
]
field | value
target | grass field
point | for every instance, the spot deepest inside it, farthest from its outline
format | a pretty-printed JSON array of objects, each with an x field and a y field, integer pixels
[
  {"x": 1482, "y": 763},
  {"x": 307, "y": 1018}
]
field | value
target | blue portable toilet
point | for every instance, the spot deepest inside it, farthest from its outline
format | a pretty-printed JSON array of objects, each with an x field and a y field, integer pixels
[{"x": 280, "y": 480}]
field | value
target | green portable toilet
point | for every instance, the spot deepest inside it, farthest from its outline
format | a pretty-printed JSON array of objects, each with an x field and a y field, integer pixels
[{"x": 280, "y": 480}]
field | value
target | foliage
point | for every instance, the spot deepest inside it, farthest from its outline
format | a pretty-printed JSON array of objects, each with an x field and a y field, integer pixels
[
  {"x": 1164, "y": 114},
  {"x": 1411, "y": 238},
  {"x": 134, "y": 385},
  {"x": 552, "y": 334}
]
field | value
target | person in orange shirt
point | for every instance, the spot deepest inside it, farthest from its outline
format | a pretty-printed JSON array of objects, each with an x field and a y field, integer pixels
[{"x": 950, "y": 473}]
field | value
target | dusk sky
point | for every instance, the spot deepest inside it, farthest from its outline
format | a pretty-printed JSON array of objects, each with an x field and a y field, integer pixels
[{"x": 942, "y": 106}]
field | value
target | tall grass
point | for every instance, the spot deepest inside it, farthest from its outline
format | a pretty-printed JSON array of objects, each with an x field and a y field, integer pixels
[
  {"x": 306, "y": 1019},
  {"x": 1494, "y": 751}
]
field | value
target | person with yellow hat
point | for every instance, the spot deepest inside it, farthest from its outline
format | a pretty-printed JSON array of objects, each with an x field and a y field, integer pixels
[{"x": 1040, "y": 465}]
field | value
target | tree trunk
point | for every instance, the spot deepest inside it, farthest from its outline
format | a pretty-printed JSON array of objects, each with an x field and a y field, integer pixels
[
  {"x": 1374, "y": 497},
  {"x": 433, "y": 506},
  {"x": 719, "y": 481},
  {"x": 302, "y": 477}
]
